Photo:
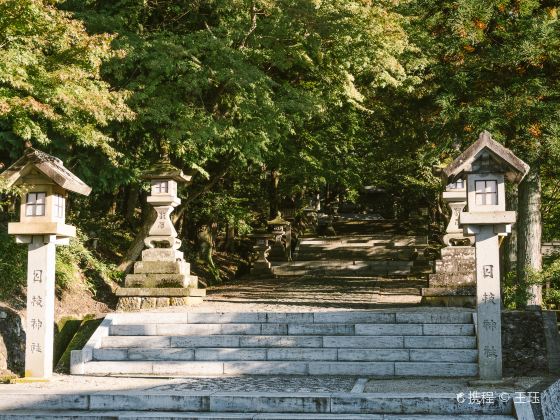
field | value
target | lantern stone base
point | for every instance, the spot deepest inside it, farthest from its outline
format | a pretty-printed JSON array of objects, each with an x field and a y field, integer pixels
[
  {"x": 161, "y": 279},
  {"x": 454, "y": 282},
  {"x": 135, "y": 298},
  {"x": 261, "y": 267}
]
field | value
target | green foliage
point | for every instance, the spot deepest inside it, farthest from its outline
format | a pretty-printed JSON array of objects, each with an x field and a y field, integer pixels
[
  {"x": 50, "y": 86},
  {"x": 13, "y": 267},
  {"x": 516, "y": 293},
  {"x": 77, "y": 260},
  {"x": 79, "y": 340}
]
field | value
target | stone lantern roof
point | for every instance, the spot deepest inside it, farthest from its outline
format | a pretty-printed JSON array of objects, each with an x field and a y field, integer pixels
[
  {"x": 487, "y": 155},
  {"x": 165, "y": 170},
  {"x": 277, "y": 221},
  {"x": 48, "y": 165}
]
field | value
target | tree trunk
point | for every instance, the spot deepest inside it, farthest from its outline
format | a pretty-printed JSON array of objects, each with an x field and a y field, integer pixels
[
  {"x": 137, "y": 245},
  {"x": 510, "y": 246},
  {"x": 131, "y": 202},
  {"x": 529, "y": 229},
  {"x": 273, "y": 197}
]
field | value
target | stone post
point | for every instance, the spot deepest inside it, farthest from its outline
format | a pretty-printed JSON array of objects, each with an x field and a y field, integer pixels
[
  {"x": 488, "y": 306},
  {"x": 39, "y": 340}
]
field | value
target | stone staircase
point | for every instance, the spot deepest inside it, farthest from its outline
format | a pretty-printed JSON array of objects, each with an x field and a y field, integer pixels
[
  {"x": 149, "y": 404},
  {"x": 389, "y": 343}
]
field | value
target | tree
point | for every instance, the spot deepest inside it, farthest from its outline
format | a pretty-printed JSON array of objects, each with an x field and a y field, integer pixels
[
  {"x": 495, "y": 66},
  {"x": 51, "y": 92}
]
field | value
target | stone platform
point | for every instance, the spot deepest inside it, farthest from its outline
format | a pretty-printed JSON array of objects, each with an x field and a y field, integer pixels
[{"x": 272, "y": 397}]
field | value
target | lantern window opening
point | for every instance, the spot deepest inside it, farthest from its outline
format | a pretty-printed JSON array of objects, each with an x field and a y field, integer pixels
[
  {"x": 161, "y": 187},
  {"x": 35, "y": 204},
  {"x": 59, "y": 206},
  {"x": 486, "y": 193},
  {"x": 457, "y": 185}
]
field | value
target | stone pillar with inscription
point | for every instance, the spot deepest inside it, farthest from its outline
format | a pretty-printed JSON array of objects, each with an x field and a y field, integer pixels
[
  {"x": 43, "y": 182},
  {"x": 486, "y": 165}
]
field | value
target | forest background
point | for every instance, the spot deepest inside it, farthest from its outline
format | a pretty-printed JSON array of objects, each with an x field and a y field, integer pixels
[{"x": 267, "y": 103}]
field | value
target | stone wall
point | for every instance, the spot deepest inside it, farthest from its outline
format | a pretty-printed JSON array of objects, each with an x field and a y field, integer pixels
[
  {"x": 12, "y": 341},
  {"x": 524, "y": 343}
]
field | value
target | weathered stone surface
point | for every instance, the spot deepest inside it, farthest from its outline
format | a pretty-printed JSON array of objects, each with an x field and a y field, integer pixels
[
  {"x": 230, "y": 354},
  {"x": 128, "y": 304},
  {"x": 160, "y": 354},
  {"x": 446, "y": 355},
  {"x": 439, "y": 317},
  {"x": 162, "y": 267},
  {"x": 448, "y": 329},
  {"x": 355, "y": 317},
  {"x": 290, "y": 317},
  {"x": 352, "y": 368},
  {"x": 441, "y": 342},
  {"x": 458, "y": 252},
  {"x": 110, "y": 354},
  {"x": 146, "y": 342},
  {"x": 148, "y": 303},
  {"x": 454, "y": 279},
  {"x": 209, "y": 341},
  {"x": 161, "y": 254},
  {"x": 320, "y": 329},
  {"x": 449, "y": 291},
  {"x": 435, "y": 369},
  {"x": 388, "y": 329},
  {"x": 153, "y": 292},
  {"x": 373, "y": 355},
  {"x": 265, "y": 368},
  {"x": 156, "y": 280},
  {"x": 301, "y": 354},
  {"x": 281, "y": 341},
  {"x": 455, "y": 265},
  {"x": 163, "y": 302},
  {"x": 145, "y": 401},
  {"x": 225, "y": 317},
  {"x": 12, "y": 341},
  {"x": 524, "y": 343},
  {"x": 374, "y": 342}
]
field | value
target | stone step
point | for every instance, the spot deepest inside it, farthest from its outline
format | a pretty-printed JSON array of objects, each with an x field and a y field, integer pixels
[
  {"x": 291, "y": 329},
  {"x": 400, "y": 316},
  {"x": 156, "y": 280},
  {"x": 451, "y": 266},
  {"x": 280, "y": 403},
  {"x": 167, "y": 415},
  {"x": 176, "y": 368},
  {"x": 449, "y": 291},
  {"x": 158, "y": 292},
  {"x": 459, "y": 252},
  {"x": 299, "y": 341},
  {"x": 452, "y": 279},
  {"x": 286, "y": 354},
  {"x": 161, "y": 267}
]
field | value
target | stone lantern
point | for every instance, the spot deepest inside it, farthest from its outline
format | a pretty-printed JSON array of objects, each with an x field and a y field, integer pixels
[
  {"x": 281, "y": 230},
  {"x": 261, "y": 265},
  {"x": 486, "y": 165},
  {"x": 455, "y": 196},
  {"x": 163, "y": 277},
  {"x": 44, "y": 182}
]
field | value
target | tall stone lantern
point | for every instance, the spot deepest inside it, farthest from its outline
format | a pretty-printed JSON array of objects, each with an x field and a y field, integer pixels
[
  {"x": 281, "y": 229},
  {"x": 44, "y": 182},
  {"x": 163, "y": 277},
  {"x": 486, "y": 165}
]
